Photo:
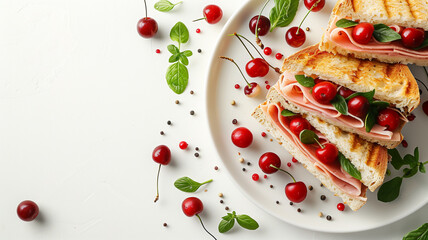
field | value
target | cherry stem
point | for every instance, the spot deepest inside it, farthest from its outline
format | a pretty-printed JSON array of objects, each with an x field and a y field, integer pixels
[
  {"x": 239, "y": 37},
  {"x": 426, "y": 88},
  {"x": 230, "y": 59},
  {"x": 258, "y": 19},
  {"x": 277, "y": 168},
  {"x": 157, "y": 184},
  {"x": 310, "y": 10},
  {"x": 204, "y": 227},
  {"x": 145, "y": 6},
  {"x": 246, "y": 39},
  {"x": 199, "y": 19},
  {"x": 322, "y": 146}
]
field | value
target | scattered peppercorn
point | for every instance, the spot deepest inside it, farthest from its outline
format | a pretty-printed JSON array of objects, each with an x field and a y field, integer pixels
[
  {"x": 271, "y": 186},
  {"x": 169, "y": 122},
  {"x": 320, "y": 214},
  {"x": 291, "y": 203},
  {"x": 277, "y": 202},
  {"x": 162, "y": 133},
  {"x": 234, "y": 121},
  {"x": 177, "y": 102},
  {"x": 321, "y": 185},
  {"x": 323, "y": 197},
  {"x": 308, "y": 29},
  {"x": 192, "y": 112},
  {"x": 191, "y": 92},
  {"x": 196, "y": 154},
  {"x": 232, "y": 102},
  {"x": 221, "y": 201},
  {"x": 216, "y": 168},
  {"x": 199, "y": 50},
  {"x": 226, "y": 208},
  {"x": 241, "y": 160},
  {"x": 196, "y": 148},
  {"x": 243, "y": 169},
  {"x": 310, "y": 188},
  {"x": 206, "y": 190},
  {"x": 299, "y": 210},
  {"x": 328, "y": 217},
  {"x": 165, "y": 224},
  {"x": 271, "y": 140},
  {"x": 248, "y": 163},
  {"x": 220, "y": 194}
]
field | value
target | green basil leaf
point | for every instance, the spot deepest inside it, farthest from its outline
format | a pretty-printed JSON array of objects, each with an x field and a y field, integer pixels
[
  {"x": 283, "y": 13},
  {"x": 410, "y": 172},
  {"x": 416, "y": 154},
  {"x": 396, "y": 160},
  {"x": 390, "y": 190},
  {"x": 383, "y": 33},
  {"x": 247, "y": 222},
  {"x": 177, "y": 77},
  {"x": 173, "y": 49},
  {"x": 187, "y": 53},
  {"x": 305, "y": 81},
  {"x": 287, "y": 113},
  {"x": 228, "y": 216},
  {"x": 380, "y": 104},
  {"x": 174, "y": 57},
  {"x": 179, "y": 33},
  {"x": 308, "y": 136},
  {"x": 186, "y": 184},
  {"x": 226, "y": 225},
  {"x": 183, "y": 59},
  {"x": 165, "y": 6},
  {"x": 419, "y": 234},
  {"x": 346, "y": 23},
  {"x": 422, "y": 168},
  {"x": 368, "y": 95},
  {"x": 340, "y": 104},
  {"x": 410, "y": 160},
  {"x": 424, "y": 43},
  {"x": 349, "y": 167},
  {"x": 370, "y": 120}
]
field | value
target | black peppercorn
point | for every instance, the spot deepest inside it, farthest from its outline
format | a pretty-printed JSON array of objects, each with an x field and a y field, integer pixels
[
  {"x": 323, "y": 197},
  {"x": 196, "y": 154},
  {"x": 162, "y": 133},
  {"x": 192, "y": 112},
  {"x": 196, "y": 148},
  {"x": 310, "y": 188},
  {"x": 234, "y": 121},
  {"x": 199, "y": 50},
  {"x": 277, "y": 202},
  {"x": 243, "y": 169},
  {"x": 328, "y": 217},
  {"x": 291, "y": 203},
  {"x": 221, "y": 201},
  {"x": 169, "y": 122},
  {"x": 299, "y": 210}
]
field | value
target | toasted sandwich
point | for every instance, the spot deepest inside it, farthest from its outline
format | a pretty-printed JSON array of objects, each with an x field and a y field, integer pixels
[
  {"x": 371, "y": 99},
  {"x": 389, "y": 31}
]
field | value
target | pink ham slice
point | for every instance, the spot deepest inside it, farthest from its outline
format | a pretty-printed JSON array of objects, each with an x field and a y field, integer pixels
[
  {"x": 301, "y": 96},
  {"x": 343, "y": 38},
  {"x": 340, "y": 178}
]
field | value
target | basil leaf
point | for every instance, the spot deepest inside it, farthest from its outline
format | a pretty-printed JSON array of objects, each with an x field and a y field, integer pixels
[
  {"x": 183, "y": 59},
  {"x": 177, "y": 77},
  {"x": 368, "y": 95},
  {"x": 308, "y": 136},
  {"x": 187, "y": 53},
  {"x": 410, "y": 172},
  {"x": 419, "y": 234},
  {"x": 340, "y": 104},
  {"x": 422, "y": 168},
  {"x": 165, "y": 6},
  {"x": 247, "y": 222},
  {"x": 390, "y": 190},
  {"x": 287, "y": 113},
  {"x": 173, "y": 49},
  {"x": 305, "y": 81},
  {"x": 380, "y": 104},
  {"x": 283, "y": 13},
  {"x": 410, "y": 160},
  {"x": 186, "y": 184},
  {"x": 346, "y": 23},
  {"x": 174, "y": 57},
  {"x": 396, "y": 160},
  {"x": 370, "y": 120},
  {"x": 424, "y": 43},
  {"x": 349, "y": 167},
  {"x": 383, "y": 33},
  {"x": 226, "y": 224},
  {"x": 179, "y": 33}
]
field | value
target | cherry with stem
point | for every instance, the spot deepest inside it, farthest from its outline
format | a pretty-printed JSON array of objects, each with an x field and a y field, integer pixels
[
  {"x": 162, "y": 155},
  {"x": 309, "y": 11},
  {"x": 258, "y": 40},
  {"x": 200, "y": 220},
  {"x": 295, "y": 191},
  {"x": 147, "y": 27},
  {"x": 192, "y": 206}
]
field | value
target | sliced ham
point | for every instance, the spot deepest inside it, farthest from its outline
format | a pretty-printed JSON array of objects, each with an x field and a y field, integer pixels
[{"x": 339, "y": 177}]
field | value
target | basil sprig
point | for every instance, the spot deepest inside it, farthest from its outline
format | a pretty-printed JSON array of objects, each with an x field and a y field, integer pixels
[
  {"x": 383, "y": 33},
  {"x": 308, "y": 136},
  {"x": 283, "y": 13},
  {"x": 177, "y": 75},
  {"x": 389, "y": 191},
  {"x": 305, "y": 81},
  {"x": 349, "y": 167},
  {"x": 419, "y": 234},
  {"x": 287, "y": 113},
  {"x": 243, "y": 220},
  {"x": 345, "y": 23},
  {"x": 186, "y": 184},
  {"x": 165, "y": 5}
]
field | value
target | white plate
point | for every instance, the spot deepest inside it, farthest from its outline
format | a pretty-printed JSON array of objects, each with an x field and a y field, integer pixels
[{"x": 220, "y": 92}]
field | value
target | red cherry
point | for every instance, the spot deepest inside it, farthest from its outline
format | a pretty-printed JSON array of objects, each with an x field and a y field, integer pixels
[
  {"x": 278, "y": 56},
  {"x": 162, "y": 155},
  {"x": 268, "y": 159},
  {"x": 294, "y": 38},
  {"x": 257, "y": 68},
  {"x": 267, "y": 51},
  {"x": 425, "y": 107},
  {"x": 324, "y": 92},
  {"x": 363, "y": 32},
  {"x": 252, "y": 91},
  {"x": 328, "y": 154},
  {"x": 340, "y": 206},
  {"x": 296, "y": 191},
  {"x": 412, "y": 37},
  {"x": 299, "y": 124},
  {"x": 242, "y": 137},
  {"x": 317, "y": 8},
  {"x": 317, "y": 80},
  {"x": 358, "y": 106},
  {"x": 183, "y": 145},
  {"x": 256, "y": 177},
  {"x": 147, "y": 27},
  {"x": 264, "y": 25},
  {"x": 212, "y": 14},
  {"x": 192, "y": 206},
  {"x": 27, "y": 210},
  {"x": 388, "y": 118},
  {"x": 345, "y": 92}
]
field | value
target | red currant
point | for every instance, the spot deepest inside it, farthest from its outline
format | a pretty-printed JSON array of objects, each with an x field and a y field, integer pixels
[
  {"x": 294, "y": 38},
  {"x": 264, "y": 25},
  {"x": 388, "y": 118},
  {"x": 299, "y": 124},
  {"x": 317, "y": 8},
  {"x": 256, "y": 177},
  {"x": 328, "y": 154},
  {"x": 158, "y": 50},
  {"x": 147, "y": 27},
  {"x": 278, "y": 56},
  {"x": 405, "y": 143},
  {"x": 294, "y": 160},
  {"x": 27, "y": 210},
  {"x": 192, "y": 206},
  {"x": 296, "y": 191},
  {"x": 257, "y": 68},
  {"x": 237, "y": 86},
  {"x": 358, "y": 106},
  {"x": 268, "y": 159},
  {"x": 183, "y": 145},
  {"x": 412, "y": 37},
  {"x": 345, "y": 92},
  {"x": 162, "y": 155},
  {"x": 267, "y": 87},
  {"x": 288, "y": 164},
  {"x": 411, "y": 117},
  {"x": 212, "y": 14},
  {"x": 263, "y": 134},
  {"x": 425, "y": 107},
  {"x": 242, "y": 137},
  {"x": 324, "y": 92},
  {"x": 198, "y": 30},
  {"x": 363, "y": 32},
  {"x": 317, "y": 80},
  {"x": 267, "y": 51},
  {"x": 252, "y": 91},
  {"x": 340, "y": 206}
]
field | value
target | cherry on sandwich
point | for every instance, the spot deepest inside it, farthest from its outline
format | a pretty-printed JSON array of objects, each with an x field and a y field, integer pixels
[
  {"x": 257, "y": 67},
  {"x": 425, "y": 107},
  {"x": 192, "y": 206},
  {"x": 319, "y": 4},
  {"x": 412, "y": 37},
  {"x": 263, "y": 25},
  {"x": 242, "y": 137},
  {"x": 299, "y": 124},
  {"x": 363, "y": 32},
  {"x": 327, "y": 153},
  {"x": 345, "y": 92},
  {"x": 27, "y": 210},
  {"x": 162, "y": 155},
  {"x": 358, "y": 106},
  {"x": 147, "y": 27},
  {"x": 267, "y": 160},
  {"x": 324, "y": 92},
  {"x": 388, "y": 118},
  {"x": 212, "y": 14}
]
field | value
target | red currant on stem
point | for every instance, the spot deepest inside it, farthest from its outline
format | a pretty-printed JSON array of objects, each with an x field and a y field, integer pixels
[
  {"x": 295, "y": 191},
  {"x": 192, "y": 206},
  {"x": 27, "y": 210},
  {"x": 212, "y": 14},
  {"x": 363, "y": 32},
  {"x": 162, "y": 155},
  {"x": 388, "y": 118},
  {"x": 295, "y": 36},
  {"x": 147, "y": 27}
]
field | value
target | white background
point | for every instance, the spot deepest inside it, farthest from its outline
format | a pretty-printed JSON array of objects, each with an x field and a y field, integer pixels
[{"x": 82, "y": 101}]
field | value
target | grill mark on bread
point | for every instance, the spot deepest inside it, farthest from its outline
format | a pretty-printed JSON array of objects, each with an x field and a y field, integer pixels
[{"x": 357, "y": 73}]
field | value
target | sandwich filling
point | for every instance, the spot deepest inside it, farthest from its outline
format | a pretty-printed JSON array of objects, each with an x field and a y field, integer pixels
[
  {"x": 343, "y": 37},
  {"x": 340, "y": 178}
]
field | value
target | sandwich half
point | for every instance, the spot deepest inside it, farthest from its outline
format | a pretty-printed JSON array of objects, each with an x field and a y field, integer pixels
[
  {"x": 394, "y": 22},
  {"x": 390, "y": 89}
]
